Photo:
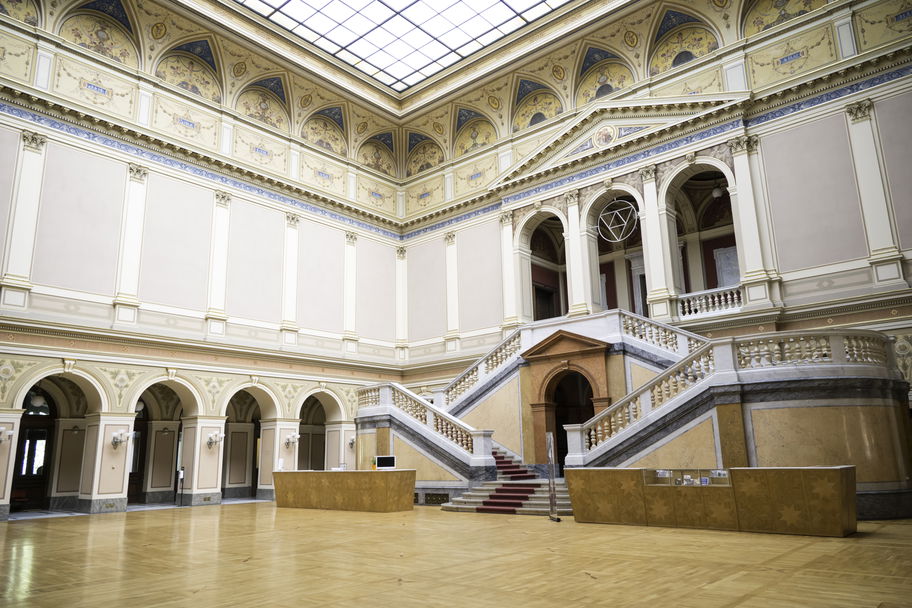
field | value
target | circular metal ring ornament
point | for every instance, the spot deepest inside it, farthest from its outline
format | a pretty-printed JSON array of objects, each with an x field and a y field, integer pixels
[{"x": 617, "y": 221}]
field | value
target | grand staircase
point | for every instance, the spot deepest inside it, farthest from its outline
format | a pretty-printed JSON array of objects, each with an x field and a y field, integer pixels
[{"x": 517, "y": 491}]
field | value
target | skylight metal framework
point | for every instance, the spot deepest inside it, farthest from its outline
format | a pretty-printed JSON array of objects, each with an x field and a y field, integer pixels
[{"x": 402, "y": 42}]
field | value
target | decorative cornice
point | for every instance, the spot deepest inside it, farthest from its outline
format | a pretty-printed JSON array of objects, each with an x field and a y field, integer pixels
[
  {"x": 222, "y": 199},
  {"x": 33, "y": 141},
  {"x": 743, "y": 143},
  {"x": 351, "y": 238},
  {"x": 138, "y": 173},
  {"x": 860, "y": 110},
  {"x": 450, "y": 238}
]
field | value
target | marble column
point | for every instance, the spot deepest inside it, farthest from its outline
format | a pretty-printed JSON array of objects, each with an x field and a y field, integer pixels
[
  {"x": 576, "y": 269},
  {"x": 201, "y": 460},
  {"x": 106, "y": 458}
]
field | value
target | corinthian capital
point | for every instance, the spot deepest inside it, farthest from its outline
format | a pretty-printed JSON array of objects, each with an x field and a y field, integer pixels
[
  {"x": 743, "y": 143},
  {"x": 33, "y": 141},
  {"x": 860, "y": 110},
  {"x": 648, "y": 174}
]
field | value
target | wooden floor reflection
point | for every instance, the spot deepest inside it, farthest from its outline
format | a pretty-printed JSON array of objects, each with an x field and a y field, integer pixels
[{"x": 257, "y": 555}]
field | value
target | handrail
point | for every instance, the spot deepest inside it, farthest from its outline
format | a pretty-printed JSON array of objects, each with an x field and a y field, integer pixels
[
  {"x": 710, "y": 301},
  {"x": 492, "y": 360},
  {"x": 666, "y": 337}
]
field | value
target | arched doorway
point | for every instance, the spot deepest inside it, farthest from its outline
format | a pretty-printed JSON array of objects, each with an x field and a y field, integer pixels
[
  {"x": 571, "y": 394},
  {"x": 312, "y": 443},
  {"x": 547, "y": 269},
  {"x": 137, "y": 480},
  {"x": 49, "y": 452},
  {"x": 157, "y": 442},
  {"x": 242, "y": 446}
]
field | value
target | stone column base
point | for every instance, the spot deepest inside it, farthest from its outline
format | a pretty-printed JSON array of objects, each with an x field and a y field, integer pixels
[
  {"x": 202, "y": 498},
  {"x": 889, "y": 504},
  {"x": 101, "y": 505},
  {"x": 265, "y": 494},
  {"x": 64, "y": 503},
  {"x": 4, "y": 512},
  {"x": 158, "y": 498},
  {"x": 239, "y": 492}
]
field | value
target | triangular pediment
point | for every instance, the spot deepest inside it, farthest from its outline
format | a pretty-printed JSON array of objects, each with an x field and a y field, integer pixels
[
  {"x": 564, "y": 343},
  {"x": 610, "y": 126}
]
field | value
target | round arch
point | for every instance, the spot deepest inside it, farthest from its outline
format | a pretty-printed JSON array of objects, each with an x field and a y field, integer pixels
[
  {"x": 553, "y": 378},
  {"x": 587, "y": 209},
  {"x": 266, "y": 399},
  {"x": 119, "y": 42},
  {"x": 685, "y": 170},
  {"x": 334, "y": 410},
  {"x": 190, "y": 396},
  {"x": 528, "y": 224},
  {"x": 97, "y": 399}
]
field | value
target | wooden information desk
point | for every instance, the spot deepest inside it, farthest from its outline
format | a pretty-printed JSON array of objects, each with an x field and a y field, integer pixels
[
  {"x": 377, "y": 491},
  {"x": 817, "y": 501}
]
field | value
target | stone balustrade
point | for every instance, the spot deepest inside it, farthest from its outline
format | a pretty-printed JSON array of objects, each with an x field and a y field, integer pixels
[{"x": 711, "y": 302}]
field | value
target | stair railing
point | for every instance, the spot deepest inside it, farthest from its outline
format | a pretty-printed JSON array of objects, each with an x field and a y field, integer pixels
[
  {"x": 474, "y": 445},
  {"x": 779, "y": 356},
  {"x": 484, "y": 368}
]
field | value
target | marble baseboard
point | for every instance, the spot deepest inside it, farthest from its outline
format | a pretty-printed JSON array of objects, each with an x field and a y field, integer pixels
[
  {"x": 4, "y": 512},
  {"x": 158, "y": 498},
  {"x": 241, "y": 492},
  {"x": 101, "y": 505},
  {"x": 196, "y": 500},
  {"x": 63, "y": 503},
  {"x": 429, "y": 495},
  {"x": 891, "y": 504},
  {"x": 265, "y": 494}
]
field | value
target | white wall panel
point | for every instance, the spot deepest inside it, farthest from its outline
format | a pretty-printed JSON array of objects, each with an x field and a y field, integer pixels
[
  {"x": 427, "y": 290},
  {"x": 376, "y": 300},
  {"x": 480, "y": 276},
  {"x": 79, "y": 222},
  {"x": 813, "y": 195},
  {"x": 255, "y": 256},
  {"x": 320, "y": 276},
  {"x": 177, "y": 230}
]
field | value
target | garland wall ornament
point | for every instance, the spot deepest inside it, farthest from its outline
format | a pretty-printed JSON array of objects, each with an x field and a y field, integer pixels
[{"x": 617, "y": 221}]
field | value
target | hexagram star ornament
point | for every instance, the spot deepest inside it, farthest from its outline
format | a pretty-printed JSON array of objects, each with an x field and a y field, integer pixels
[{"x": 617, "y": 221}]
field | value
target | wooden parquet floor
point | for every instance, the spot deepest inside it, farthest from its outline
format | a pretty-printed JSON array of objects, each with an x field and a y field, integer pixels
[{"x": 258, "y": 555}]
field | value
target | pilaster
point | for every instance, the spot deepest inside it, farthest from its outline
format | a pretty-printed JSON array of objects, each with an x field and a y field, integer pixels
[
  {"x": 105, "y": 463},
  {"x": 290, "y": 282},
  {"x": 201, "y": 460},
  {"x": 279, "y": 452},
  {"x": 578, "y": 270},
  {"x": 508, "y": 272},
  {"x": 9, "y": 438},
  {"x": 656, "y": 249},
  {"x": 883, "y": 246},
  {"x": 452, "y": 293},
  {"x": 218, "y": 265},
  {"x": 15, "y": 282},
  {"x": 126, "y": 301},
  {"x": 401, "y": 305},
  {"x": 350, "y": 294}
]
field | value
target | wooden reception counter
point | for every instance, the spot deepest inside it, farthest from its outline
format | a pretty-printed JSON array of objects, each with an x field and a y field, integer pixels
[
  {"x": 816, "y": 501},
  {"x": 377, "y": 491}
]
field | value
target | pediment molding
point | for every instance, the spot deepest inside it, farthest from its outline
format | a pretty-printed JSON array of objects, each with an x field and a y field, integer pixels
[{"x": 563, "y": 344}]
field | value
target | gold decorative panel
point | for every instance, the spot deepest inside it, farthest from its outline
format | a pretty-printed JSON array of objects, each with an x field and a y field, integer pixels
[
  {"x": 16, "y": 58},
  {"x": 475, "y": 134},
  {"x": 322, "y": 174},
  {"x": 765, "y": 14},
  {"x": 709, "y": 81},
  {"x": 696, "y": 40},
  {"x": 883, "y": 22},
  {"x": 96, "y": 88},
  {"x": 374, "y": 491},
  {"x": 185, "y": 122},
  {"x": 377, "y": 195},
  {"x": 603, "y": 79},
  {"x": 260, "y": 150},
  {"x": 537, "y": 107},
  {"x": 424, "y": 196},
  {"x": 262, "y": 106},
  {"x": 101, "y": 36},
  {"x": 475, "y": 175},
  {"x": 794, "y": 56},
  {"x": 424, "y": 156},
  {"x": 22, "y": 10},
  {"x": 377, "y": 157},
  {"x": 323, "y": 133}
]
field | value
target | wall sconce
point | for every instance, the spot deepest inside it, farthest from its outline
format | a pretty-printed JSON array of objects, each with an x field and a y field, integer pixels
[
  {"x": 119, "y": 437},
  {"x": 292, "y": 439},
  {"x": 5, "y": 434},
  {"x": 214, "y": 438},
  {"x": 351, "y": 443}
]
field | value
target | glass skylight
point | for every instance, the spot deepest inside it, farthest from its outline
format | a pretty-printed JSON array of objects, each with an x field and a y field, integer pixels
[{"x": 402, "y": 42}]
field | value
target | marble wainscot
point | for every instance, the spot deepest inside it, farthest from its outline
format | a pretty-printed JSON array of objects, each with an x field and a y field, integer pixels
[{"x": 375, "y": 491}]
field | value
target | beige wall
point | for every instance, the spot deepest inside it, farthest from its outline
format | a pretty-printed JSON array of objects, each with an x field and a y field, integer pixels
[
  {"x": 320, "y": 276},
  {"x": 162, "y": 461},
  {"x": 500, "y": 411},
  {"x": 408, "y": 457},
  {"x": 177, "y": 235},
  {"x": 694, "y": 448},
  {"x": 112, "y": 476},
  {"x": 892, "y": 117},
  {"x": 256, "y": 241},
  {"x": 478, "y": 261},
  {"x": 79, "y": 221},
  {"x": 427, "y": 290},
  {"x": 69, "y": 459},
  {"x": 376, "y": 299},
  {"x": 813, "y": 194}
]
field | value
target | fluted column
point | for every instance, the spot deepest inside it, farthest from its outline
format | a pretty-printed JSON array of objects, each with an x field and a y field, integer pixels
[{"x": 15, "y": 282}]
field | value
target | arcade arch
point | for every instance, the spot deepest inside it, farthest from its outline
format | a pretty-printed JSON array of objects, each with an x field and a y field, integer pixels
[{"x": 542, "y": 257}]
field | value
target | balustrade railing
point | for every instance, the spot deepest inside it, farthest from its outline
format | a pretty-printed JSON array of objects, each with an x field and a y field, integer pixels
[
  {"x": 504, "y": 352},
  {"x": 710, "y": 302},
  {"x": 752, "y": 354}
]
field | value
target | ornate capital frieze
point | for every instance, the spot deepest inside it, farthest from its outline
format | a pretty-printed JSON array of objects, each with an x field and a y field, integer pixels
[
  {"x": 400, "y": 253},
  {"x": 351, "y": 238},
  {"x": 572, "y": 197},
  {"x": 608, "y": 184},
  {"x": 450, "y": 238},
  {"x": 743, "y": 143},
  {"x": 506, "y": 218},
  {"x": 648, "y": 174},
  {"x": 33, "y": 141},
  {"x": 291, "y": 220},
  {"x": 690, "y": 158},
  {"x": 222, "y": 199},
  {"x": 860, "y": 110},
  {"x": 138, "y": 173}
]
